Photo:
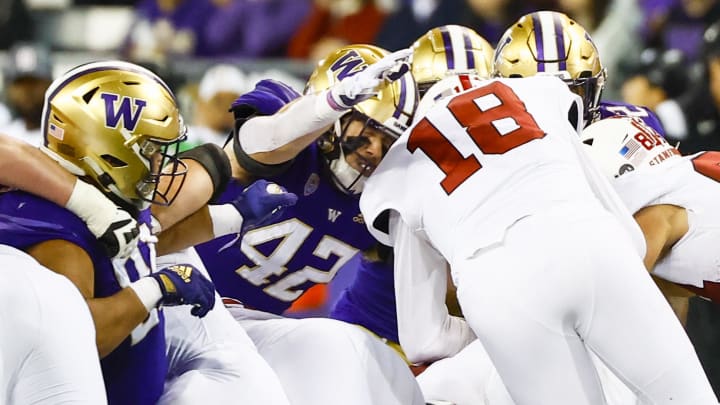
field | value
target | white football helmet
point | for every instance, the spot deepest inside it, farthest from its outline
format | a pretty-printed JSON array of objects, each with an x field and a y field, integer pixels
[
  {"x": 445, "y": 87},
  {"x": 623, "y": 144}
]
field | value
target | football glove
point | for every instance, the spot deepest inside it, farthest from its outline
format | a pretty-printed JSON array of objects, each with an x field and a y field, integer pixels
[
  {"x": 114, "y": 228},
  {"x": 183, "y": 284},
  {"x": 259, "y": 204},
  {"x": 365, "y": 84}
]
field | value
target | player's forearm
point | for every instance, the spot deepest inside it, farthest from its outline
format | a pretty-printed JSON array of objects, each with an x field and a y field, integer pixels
[
  {"x": 277, "y": 138},
  {"x": 115, "y": 317},
  {"x": 25, "y": 167},
  {"x": 195, "y": 193},
  {"x": 191, "y": 231},
  {"x": 438, "y": 343},
  {"x": 426, "y": 330}
]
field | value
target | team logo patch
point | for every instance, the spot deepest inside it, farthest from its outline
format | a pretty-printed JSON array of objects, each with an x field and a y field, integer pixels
[
  {"x": 348, "y": 65},
  {"x": 129, "y": 110},
  {"x": 625, "y": 169},
  {"x": 312, "y": 184}
]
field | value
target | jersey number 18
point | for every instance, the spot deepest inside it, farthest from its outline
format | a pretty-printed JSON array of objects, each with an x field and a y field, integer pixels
[{"x": 494, "y": 118}]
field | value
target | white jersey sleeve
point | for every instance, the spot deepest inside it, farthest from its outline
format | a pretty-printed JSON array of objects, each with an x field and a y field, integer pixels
[
  {"x": 426, "y": 330},
  {"x": 301, "y": 119},
  {"x": 478, "y": 162},
  {"x": 691, "y": 182}
]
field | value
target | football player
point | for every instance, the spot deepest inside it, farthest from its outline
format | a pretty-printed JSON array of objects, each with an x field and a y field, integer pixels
[
  {"x": 321, "y": 146},
  {"x": 550, "y": 43},
  {"x": 544, "y": 256},
  {"x": 672, "y": 198},
  {"x": 115, "y": 125},
  {"x": 24, "y": 167},
  {"x": 443, "y": 52}
]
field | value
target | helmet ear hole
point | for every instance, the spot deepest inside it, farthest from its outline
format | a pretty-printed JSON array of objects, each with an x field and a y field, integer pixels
[{"x": 113, "y": 161}]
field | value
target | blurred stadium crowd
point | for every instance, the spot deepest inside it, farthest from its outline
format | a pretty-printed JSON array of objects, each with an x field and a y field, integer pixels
[{"x": 659, "y": 53}]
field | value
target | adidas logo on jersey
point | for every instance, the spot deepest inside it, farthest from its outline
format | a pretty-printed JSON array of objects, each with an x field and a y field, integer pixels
[{"x": 333, "y": 215}]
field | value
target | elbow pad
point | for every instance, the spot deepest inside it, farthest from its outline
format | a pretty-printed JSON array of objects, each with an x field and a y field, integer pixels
[{"x": 252, "y": 166}]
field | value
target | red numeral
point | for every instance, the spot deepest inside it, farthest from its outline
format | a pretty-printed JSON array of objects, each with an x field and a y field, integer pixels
[
  {"x": 647, "y": 136},
  {"x": 708, "y": 164},
  {"x": 431, "y": 141},
  {"x": 496, "y": 120}
]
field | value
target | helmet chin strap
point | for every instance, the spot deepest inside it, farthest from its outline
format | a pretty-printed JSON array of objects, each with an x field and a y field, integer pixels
[{"x": 346, "y": 176}]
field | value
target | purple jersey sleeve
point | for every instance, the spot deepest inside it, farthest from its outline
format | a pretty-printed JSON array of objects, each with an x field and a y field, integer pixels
[
  {"x": 135, "y": 372},
  {"x": 272, "y": 266},
  {"x": 616, "y": 108},
  {"x": 370, "y": 300}
]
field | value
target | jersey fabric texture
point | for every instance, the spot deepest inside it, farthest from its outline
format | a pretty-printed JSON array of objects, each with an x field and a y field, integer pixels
[
  {"x": 271, "y": 266},
  {"x": 135, "y": 371}
]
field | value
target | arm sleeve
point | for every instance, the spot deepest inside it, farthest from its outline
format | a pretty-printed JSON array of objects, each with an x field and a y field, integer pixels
[
  {"x": 308, "y": 114},
  {"x": 426, "y": 330}
]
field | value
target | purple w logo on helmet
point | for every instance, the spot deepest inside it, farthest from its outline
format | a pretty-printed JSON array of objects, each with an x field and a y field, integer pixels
[
  {"x": 348, "y": 65},
  {"x": 114, "y": 113}
]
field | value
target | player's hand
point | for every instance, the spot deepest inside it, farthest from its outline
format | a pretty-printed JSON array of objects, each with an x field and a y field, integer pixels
[
  {"x": 120, "y": 238},
  {"x": 365, "y": 84},
  {"x": 114, "y": 228},
  {"x": 183, "y": 284},
  {"x": 262, "y": 202}
]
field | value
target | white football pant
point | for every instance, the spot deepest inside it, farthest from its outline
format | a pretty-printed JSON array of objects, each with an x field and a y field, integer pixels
[
  {"x": 328, "y": 362},
  {"x": 211, "y": 359},
  {"x": 48, "y": 354},
  {"x": 566, "y": 281}
]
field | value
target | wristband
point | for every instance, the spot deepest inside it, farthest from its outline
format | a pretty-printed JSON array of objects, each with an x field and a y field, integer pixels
[
  {"x": 226, "y": 219},
  {"x": 148, "y": 291},
  {"x": 88, "y": 203}
]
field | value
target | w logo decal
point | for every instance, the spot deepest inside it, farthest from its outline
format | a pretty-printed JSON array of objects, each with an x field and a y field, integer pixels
[
  {"x": 113, "y": 112},
  {"x": 348, "y": 65}
]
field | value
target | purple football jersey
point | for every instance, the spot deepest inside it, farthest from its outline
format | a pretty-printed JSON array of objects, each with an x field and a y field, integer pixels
[
  {"x": 616, "y": 108},
  {"x": 135, "y": 371},
  {"x": 370, "y": 300},
  {"x": 274, "y": 265}
]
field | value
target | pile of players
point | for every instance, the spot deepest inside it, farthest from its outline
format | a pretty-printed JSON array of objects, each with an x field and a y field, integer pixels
[{"x": 500, "y": 174}]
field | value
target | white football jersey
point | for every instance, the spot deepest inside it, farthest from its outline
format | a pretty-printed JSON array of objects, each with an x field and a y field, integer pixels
[
  {"x": 481, "y": 160},
  {"x": 691, "y": 182}
]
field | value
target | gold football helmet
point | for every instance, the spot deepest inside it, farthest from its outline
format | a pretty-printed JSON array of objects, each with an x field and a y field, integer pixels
[
  {"x": 118, "y": 125},
  {"x": 383, "y": 117},
  {"x": 549, "y": 42},
  {"x": 449, "y": 50}
]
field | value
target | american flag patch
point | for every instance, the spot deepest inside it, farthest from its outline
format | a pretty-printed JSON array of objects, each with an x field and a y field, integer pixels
[
  {"x": 56, "y": 132},
  {"x": 629, "y": 149}
]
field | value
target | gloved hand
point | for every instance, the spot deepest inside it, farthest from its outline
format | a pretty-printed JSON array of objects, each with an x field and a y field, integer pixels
[
  {"x": 183, "y": 284},
  {"x": 266, "y": 99},
  {"x": 365, "y": 84},
  {"x": 114, "y": 228},
  {"x": 121, "y": 236},
  {"x": 259, "y": 204}
]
